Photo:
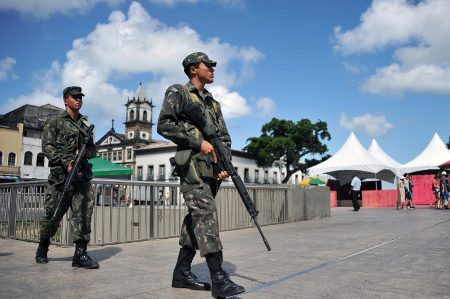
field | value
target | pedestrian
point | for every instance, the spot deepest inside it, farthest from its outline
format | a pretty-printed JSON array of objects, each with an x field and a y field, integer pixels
[
  {"x": 62, "y": 138},
  {"x": 409, "y": 191},
  {"x": 355, "y": 189},
  {"x": 436, "y": 191},
  {"x": 195, "y": 164},
  {"x": 444, "y": 184},
  {"x": 401, "y": 192}
]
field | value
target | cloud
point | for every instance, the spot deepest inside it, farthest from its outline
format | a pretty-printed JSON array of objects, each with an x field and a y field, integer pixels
[
  {"x": 233, "y": 105},
  {"x": 265, "y": 106},
  {"x": 136, "y": 44},
  {"x": 353, "y": 68},
  {"x": 6, "y": 68},
  {"x": 369, "y": 124},
  {"x": 172, "y": 3},
  {"x": 418, "y": 35},
  {"x": 227, "y": 3},
  {"x": 45, "y": 8}
]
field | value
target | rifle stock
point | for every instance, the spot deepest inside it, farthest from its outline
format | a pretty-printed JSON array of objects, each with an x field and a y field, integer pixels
[{"x": 71, "y": 174}]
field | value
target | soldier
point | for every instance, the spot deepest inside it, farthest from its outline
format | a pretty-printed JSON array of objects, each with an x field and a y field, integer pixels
[
  {"x": 199, "y": 179},
  {"x": 61, "y": 140}
]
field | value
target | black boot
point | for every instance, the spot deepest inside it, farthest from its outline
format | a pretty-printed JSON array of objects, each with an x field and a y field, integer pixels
[
  {"x": 81, "y": 258},
  {"x": 222, "y": 286},
  {"x": 182, "y": 275},
  {"x": 41, "y": 252}
]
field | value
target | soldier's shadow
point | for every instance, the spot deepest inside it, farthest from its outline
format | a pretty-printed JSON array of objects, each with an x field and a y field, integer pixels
[
  {"x": 97, "y": 254},
  {"x": 202, "y": 272}
]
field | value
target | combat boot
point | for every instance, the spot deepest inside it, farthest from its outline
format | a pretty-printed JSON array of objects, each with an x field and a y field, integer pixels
[
  {"x": 182, "y": 275},
  {"x": 41, "y": 252},
  {"x": 222, "y": 286},
  {"x": 81, "y": 258}
]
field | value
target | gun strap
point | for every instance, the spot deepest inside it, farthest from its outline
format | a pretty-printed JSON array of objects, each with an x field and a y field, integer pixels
[{"x": 75, "y": 123}]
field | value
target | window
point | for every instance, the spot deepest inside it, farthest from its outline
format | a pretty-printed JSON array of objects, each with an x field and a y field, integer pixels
[
  {"x": 28, "y": 158},
  {"x": 119, "y": 155},
  {"x": 129, "y": 153},
  {"x": 40, "y": 160},
  {"x": 1, "y": 158},
  {"x": 246, "y": 175},
  {"x": 144, "y": 115},
  {"x": 132, "y": 115},
  {"x": 266, "y": 177},
  {"x": 12, "y": 159},
  {"x": 257, "y": 176},
  {"x": 162, "y": 172},
  {"x": 139, "y": 173},
  {"x": 275, "y": 177},
  {"x": 150, "y": 173},
  {"x": 114, "y": 155}
]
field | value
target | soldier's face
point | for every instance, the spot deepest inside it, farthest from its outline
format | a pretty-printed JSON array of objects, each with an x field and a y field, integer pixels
[
  {"x": 74, "y": 102},
  {"x": 205, "y": 72}
]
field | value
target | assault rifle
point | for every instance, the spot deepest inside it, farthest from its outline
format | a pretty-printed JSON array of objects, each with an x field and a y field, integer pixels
[
  {"x": 72, "y": 173},
  {"x": 200, "y": 118}
]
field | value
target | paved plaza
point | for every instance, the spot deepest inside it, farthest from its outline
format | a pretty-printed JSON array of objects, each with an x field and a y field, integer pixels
[{"x": 373, "y": 253}]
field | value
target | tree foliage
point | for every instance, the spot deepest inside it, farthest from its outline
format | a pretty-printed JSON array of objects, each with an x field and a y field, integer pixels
[
  {"x": 448, "y": 143},
  {"x": 289, "y": 141}
]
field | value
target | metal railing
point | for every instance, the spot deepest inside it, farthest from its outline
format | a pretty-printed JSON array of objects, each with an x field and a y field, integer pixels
[{"x": 127, "y": 211}]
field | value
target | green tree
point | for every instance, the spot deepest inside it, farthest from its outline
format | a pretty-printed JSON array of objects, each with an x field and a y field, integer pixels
[{"x": 288, "y": 141}]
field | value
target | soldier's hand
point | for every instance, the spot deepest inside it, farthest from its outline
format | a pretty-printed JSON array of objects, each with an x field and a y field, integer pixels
[
  {"x": 207, "y": 148},
  {"x": 223, "y": 175},
  {"x": 69, "y": 167}
]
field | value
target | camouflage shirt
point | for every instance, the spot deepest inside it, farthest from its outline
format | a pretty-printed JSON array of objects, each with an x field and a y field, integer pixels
[
  {"x": 61, "y": 139},
  {"x": 174, "y": 125}
]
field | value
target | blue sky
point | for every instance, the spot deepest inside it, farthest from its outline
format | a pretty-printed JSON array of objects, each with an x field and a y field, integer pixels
[{"x": 380, "y": 68}]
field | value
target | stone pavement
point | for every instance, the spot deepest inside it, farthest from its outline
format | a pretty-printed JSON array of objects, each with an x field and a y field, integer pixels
[{"x": 373, "y": 253}]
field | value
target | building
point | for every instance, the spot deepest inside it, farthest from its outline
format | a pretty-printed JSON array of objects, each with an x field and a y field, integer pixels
[
  {"x": 120, "y": 148},
  {"x": 149, "y": 158},
  {"x": 10, "y": 149},
  {"x": 21, "y": 156}
]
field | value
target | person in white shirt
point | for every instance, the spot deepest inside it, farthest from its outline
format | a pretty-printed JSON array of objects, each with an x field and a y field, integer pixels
[{"x": 354, "y": 192}]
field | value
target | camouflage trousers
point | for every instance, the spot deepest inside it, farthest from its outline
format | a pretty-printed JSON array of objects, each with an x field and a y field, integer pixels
[
  {"x": 80, "y": 199},
  {"x": 200, "y": 228}
]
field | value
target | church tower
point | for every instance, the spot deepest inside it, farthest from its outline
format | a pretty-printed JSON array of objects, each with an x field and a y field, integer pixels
[{"x": 138, "y": 120}]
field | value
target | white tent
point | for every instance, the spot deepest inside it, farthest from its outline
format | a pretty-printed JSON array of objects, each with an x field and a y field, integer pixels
[
  {"x": 433, "y": 155},
  {"x": 376, "y": 151},
  {"x": 352, "y": 158}
]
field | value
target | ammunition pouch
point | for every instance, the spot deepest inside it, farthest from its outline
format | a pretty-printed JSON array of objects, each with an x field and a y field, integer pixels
[
  {"x": 204, "y": 165},
  {"x": 192, "y": 168}
]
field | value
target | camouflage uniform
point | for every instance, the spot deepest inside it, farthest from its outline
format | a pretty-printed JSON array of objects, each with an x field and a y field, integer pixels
[
  {"x": 61, "y": 139},
  {"x": 198, "y": 177}
]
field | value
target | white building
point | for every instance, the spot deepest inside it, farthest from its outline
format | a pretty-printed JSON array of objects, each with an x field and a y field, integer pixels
[
  {"x": 34, "y": 163},
  {"x": 149, "y": 158},
  {"x": 152, "y": 164}
]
